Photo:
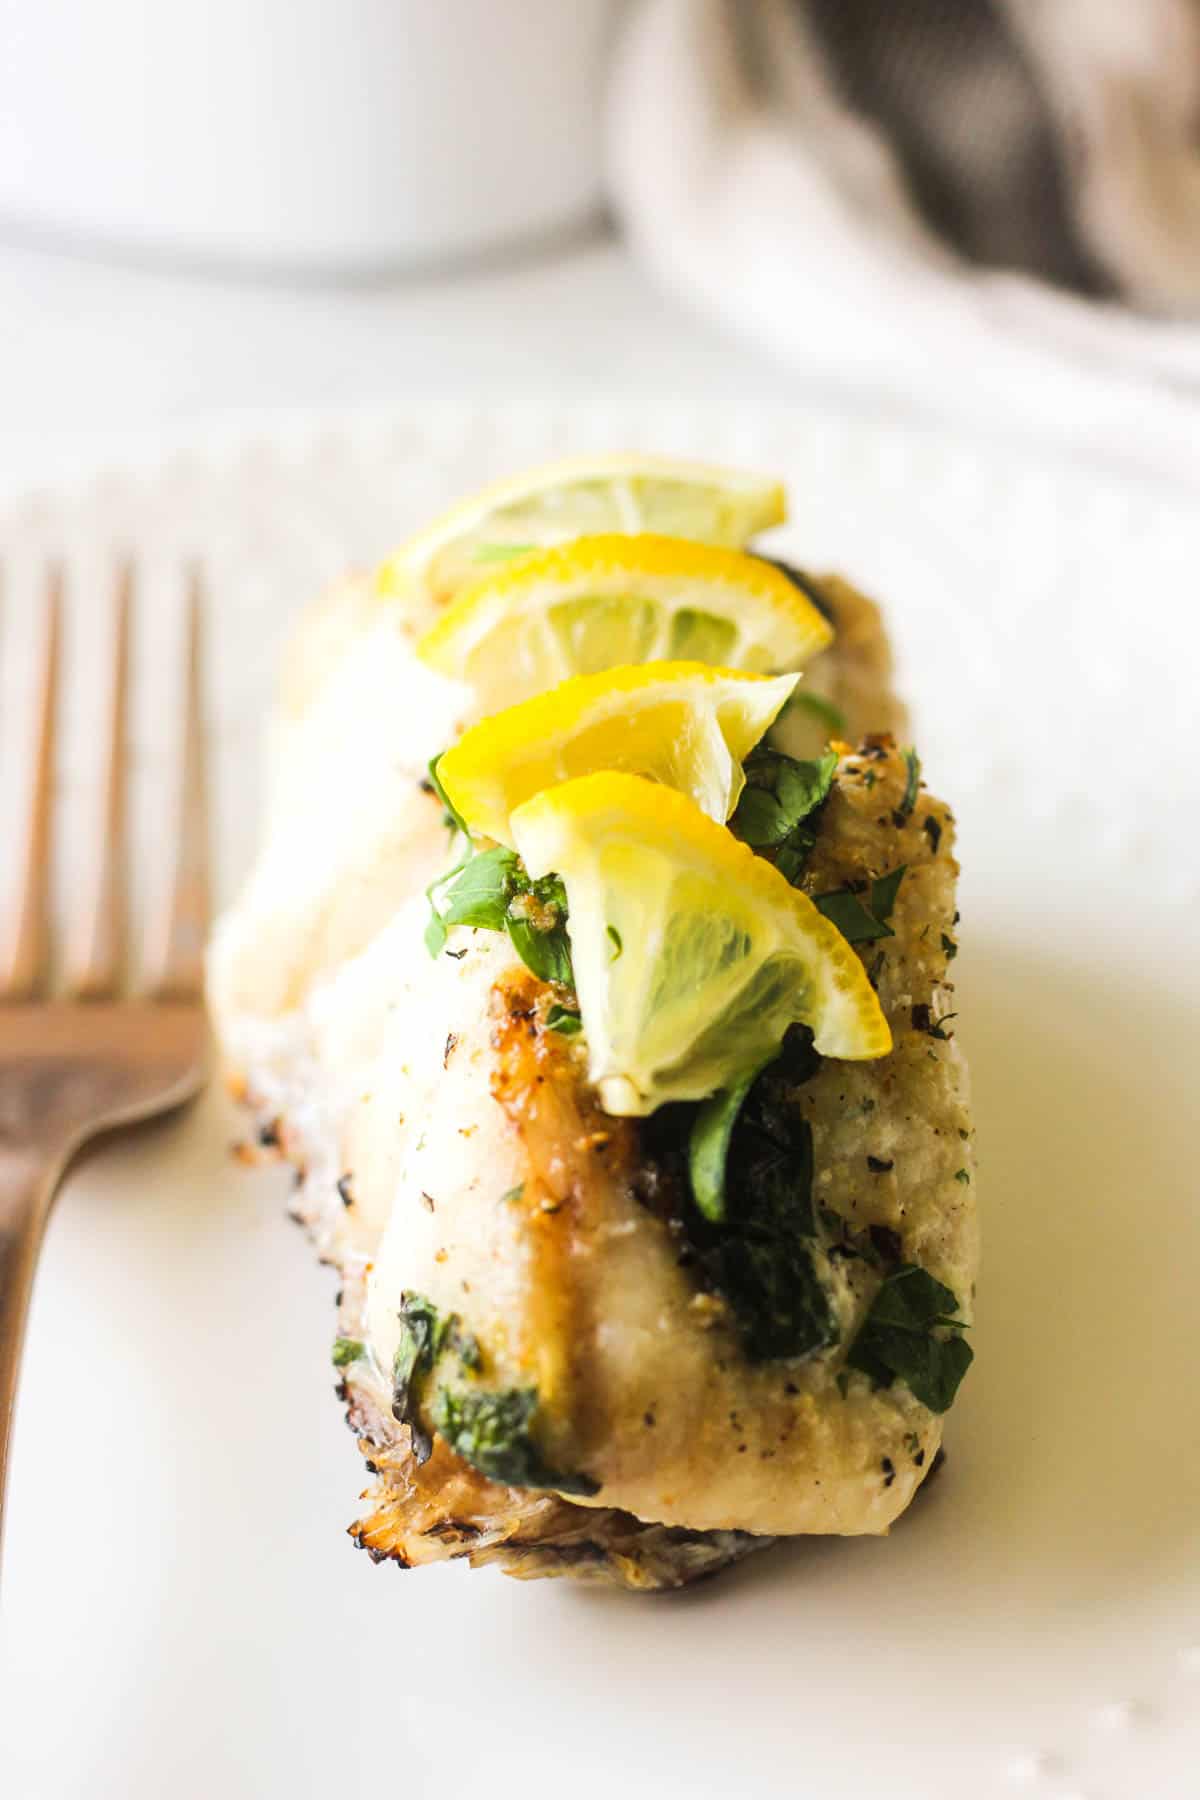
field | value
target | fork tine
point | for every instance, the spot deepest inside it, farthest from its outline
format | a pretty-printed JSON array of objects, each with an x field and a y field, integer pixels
[
  {"x": 95, "y": 948},
  {"x": 25, "y": 943},
  {"x": 175, "y": 967}
]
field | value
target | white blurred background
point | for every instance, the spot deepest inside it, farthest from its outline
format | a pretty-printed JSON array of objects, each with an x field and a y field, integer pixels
[{"x": 986, "y": 211}]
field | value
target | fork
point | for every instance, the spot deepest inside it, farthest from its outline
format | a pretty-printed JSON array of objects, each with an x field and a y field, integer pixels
[{"x": 88, "y": 1058}]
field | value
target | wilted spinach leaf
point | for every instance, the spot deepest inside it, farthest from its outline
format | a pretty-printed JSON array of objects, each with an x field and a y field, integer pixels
[{"x": 492, "y": 1430}]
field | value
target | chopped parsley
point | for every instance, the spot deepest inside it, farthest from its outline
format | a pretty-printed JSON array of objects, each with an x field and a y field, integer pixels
[
  {"x": 912, "y": 785},
  {"x": 950, "y": 947},
  {"x": 910, "y": 1335},
  {"x": 774, "y": 814},
  {"x": 563, "y": 1019},
  {"x": 347, "y": 1350},
  {"x": 489, "y": 1428},
  {"x": 425, "y": 1334},
  {"x": 863, "y": 917},
  {"x": 614, "y": 938},
  {"x": 513, "y": 1194},
  {"x": 491, "y": 891},
  {"x": 492, "y": 1430}
]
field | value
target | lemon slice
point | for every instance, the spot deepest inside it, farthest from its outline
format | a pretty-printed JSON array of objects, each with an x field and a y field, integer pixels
[
  {"x": 692, "y": 956},
  {"x": 599, "y": 602},
  {"x": 621, "y": 493},
  {"x": 683, "y": 724}
]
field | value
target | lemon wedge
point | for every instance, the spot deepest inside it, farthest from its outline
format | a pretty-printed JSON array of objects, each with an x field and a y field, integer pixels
[
  {"x": 599, "y": 602},
  {"x": 683, "y": 724},
  {"x": 692, "y": 956},
  {"x": 614, "y": 493}
]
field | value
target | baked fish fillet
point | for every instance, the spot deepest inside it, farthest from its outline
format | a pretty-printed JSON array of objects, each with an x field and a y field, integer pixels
[{"x": 454, "y": 1163}]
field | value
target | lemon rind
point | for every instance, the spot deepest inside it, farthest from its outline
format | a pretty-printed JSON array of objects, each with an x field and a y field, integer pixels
[
  {"x": 471, "y": 770},
  {"x": 629, "y": 807},
  {"x": 763, "y": 501}
]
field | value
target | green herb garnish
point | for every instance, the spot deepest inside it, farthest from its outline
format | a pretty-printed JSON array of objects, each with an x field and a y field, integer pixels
[
  {"x": 912, "y": 785},
  {"x": 435, "y": 930},
  {"x": 536, "y": 921},
  {"x": 950, "y": 947},
  {"x": 753, "y": 1166},
  {"x": 708, "y": 1145},
  {"x": 861, "y": 918},
  {"x": 425, "y": 1334},
  {"x": 513, "y": 1194},
  {"x": 614, "y": 938},
  {"x": 492, "y": 1430},
  {"x": 491, "y": 891},
  {"x": 564, "y": 1020},
  {"x": 347, "y": 1350},
  {"x": 910, "y": 1335},
  {"x": 482, "y": 891},
  {"x": 774, "y": 812}
]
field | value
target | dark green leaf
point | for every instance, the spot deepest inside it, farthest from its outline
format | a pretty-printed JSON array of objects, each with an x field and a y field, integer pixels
[
  {"x": 950, "y": 947},
  {"x": 546, "y": 953},
  {"x": 853, "y": 918},
  {"x": 492, "y": 1430},
  {"x": 537, "y": 925},
  {"x": 562, "y": 1018},
  {"x": 861, "y": 919},
  {"x": 909, "y": 1335},
  {"x": 801, "y": 786},
  {"x": 708, "y": 1145},
  {"x": 347, "y": 1350},
  {"x": 760, "y": 820},
  {"x": 884, "y": 891},
  {"x": 775, "y": 810},
  {"x": 761, "y": 1254}
]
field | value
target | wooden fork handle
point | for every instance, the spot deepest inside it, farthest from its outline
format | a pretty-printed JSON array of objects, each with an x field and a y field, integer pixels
[{"x": 27, "y": 1184}]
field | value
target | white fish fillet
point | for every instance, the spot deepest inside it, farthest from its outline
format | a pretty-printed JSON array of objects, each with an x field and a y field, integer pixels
[{"x": 476, "y": 1168}]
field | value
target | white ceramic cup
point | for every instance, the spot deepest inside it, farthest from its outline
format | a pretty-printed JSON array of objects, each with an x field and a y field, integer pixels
[{"x": 333, "y": 136}]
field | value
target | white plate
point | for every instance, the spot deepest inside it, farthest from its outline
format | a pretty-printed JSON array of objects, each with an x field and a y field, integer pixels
[{"x": 182, "y": 1613}]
